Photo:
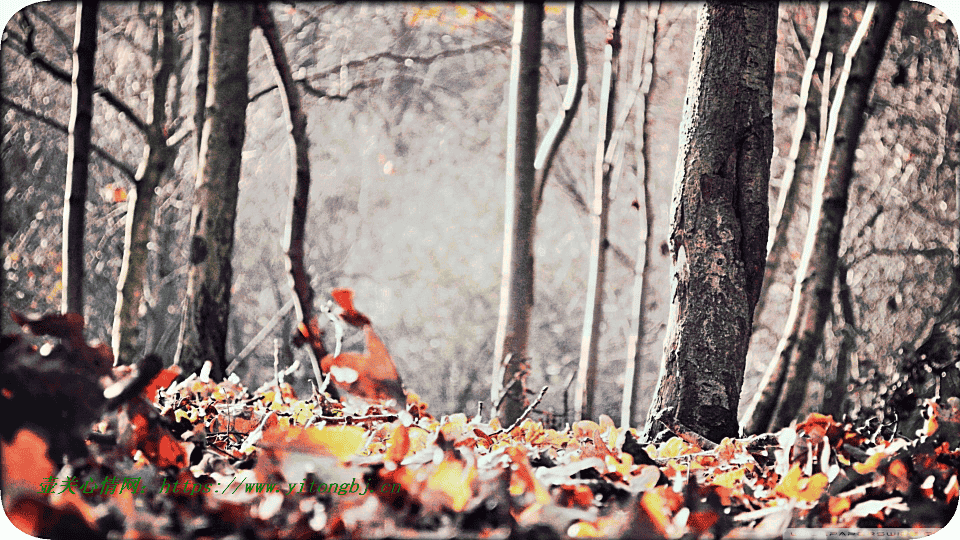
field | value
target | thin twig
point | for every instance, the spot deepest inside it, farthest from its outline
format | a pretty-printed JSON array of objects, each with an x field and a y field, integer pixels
[
  {"x": 525, "y": 414},
  {"x": 31, "y": 53},
  {"x": 506, "y": 391},
  {"x": 43, "y": 119},
  {"x": 351, "y": 419}
]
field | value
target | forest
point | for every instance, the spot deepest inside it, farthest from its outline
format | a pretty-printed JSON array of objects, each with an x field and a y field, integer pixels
[{"x": 336, "y": 269}]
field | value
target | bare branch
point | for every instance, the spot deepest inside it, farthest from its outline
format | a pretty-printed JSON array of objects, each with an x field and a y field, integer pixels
[
  {"x": 30, "y": 52},
  {"x": 576, "y": 80},
  {"x": 43, "y": 119},
  {"x": 392, "y": 56}
]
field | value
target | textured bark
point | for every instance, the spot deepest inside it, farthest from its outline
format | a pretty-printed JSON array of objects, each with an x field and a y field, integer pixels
[
  {"x": 629, "y": 409},
  {"x": 511, "y": 365},
  {"x": 602, "y": 171},
  {"x": 215, "y": 205},
  {"x": 299, "y": 190},
  {"x": 813, "y": 292},
  {"x": 157, "y": 159},
  {"x": 719, "y": 219},
  {"x": 78, "y": 155},
  {"x": 201, "y": 65}
]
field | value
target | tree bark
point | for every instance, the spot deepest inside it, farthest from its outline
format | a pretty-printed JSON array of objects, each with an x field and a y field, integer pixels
[
  {"x": 78, "y": 155},
  {"x": 602, "y": 171},
  {"x": 201, "y": 65},
  {"x": 813, "y": 291},
  {"x": 629, "y": 407},
  {"x": 215, "y": 205},
  {"x": 719, "y": 219},
  {"x": 157, "y": 159},
  {"x": 511, "y": 365},
  {"x": 299, "y": 191}
]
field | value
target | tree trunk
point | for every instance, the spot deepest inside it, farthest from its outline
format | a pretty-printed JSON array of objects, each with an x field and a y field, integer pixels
[
  {"x": 215, "y": 205},
  {"x": 201, "y": 65},
  {"x": 837, "y": 33},
  {"x": 576, "y": 80},
  {"x": 813, "y": 292},
  {"x": 719, "y": 219},
  {"x": 603, "y": 169},
  {"x": 511, "y": 365},
  {"x": 803, "y": 150},
  {"x": 156, "y": 160},
  {"x": 629, "y": 408},
  {"x": 78, "y": 155},
  {"x": 299, "y": 192}
]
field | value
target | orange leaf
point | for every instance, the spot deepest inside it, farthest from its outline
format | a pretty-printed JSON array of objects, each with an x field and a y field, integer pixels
[
  {"x": 25, "y": 463},
  {"x": 162, "y": 380},
  {"x": 399, "y": 444},
  {"x": 339, "y": 441},
  {"x": 838, "y": 505},
  {"x": 870, "y": 464},
  {"x": 344, "y": 299},
  {"x": 453, "y": 479},
  {"x": 788, "y": 486}
]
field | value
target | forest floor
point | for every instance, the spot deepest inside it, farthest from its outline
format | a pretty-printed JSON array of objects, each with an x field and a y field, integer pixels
[{"x": 159, "y": 458}]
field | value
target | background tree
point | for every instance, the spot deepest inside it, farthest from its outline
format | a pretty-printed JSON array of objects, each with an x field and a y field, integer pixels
[
  {"x": 776, "y": 405},
  {"x": 602, "y": 172},
  {"x": 409, "y": 103},
  {"x": 294, "y": 233},
  {"x": 630, "y": 413},
  {"x": 215, "y": 201},
  {"x": 719, "y": 220},
  {"x": 157, "y": 160},
  {"x": 78, "y": 155},
  {"x": 511, "y": 362}
]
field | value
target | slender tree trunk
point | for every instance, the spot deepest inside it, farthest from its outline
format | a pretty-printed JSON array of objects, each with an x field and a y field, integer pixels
[
  {"x": 201, "y": 65},
  {"x": 215, "y": 206},
  {"x": 837, "y": 33},
  {"x": 299, "y": 191},
  {"x": 813, "y": 292},
  {"x": 629, "y": 407},
  {"x": 802, "y": 154},
  {"x": 835, "y": 390},
  {"x": 511, "y": 364},
  {"x": 603, "y": 169},
  {"x": 78, "y": 155},
  {"x": 719, "y": 219},
  {"x": 571, "y": 101},
  {"x": 157, "y": 159}
]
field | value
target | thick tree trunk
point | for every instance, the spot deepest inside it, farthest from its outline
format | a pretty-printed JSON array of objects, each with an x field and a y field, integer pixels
[
  {"x": 602, "y": 171},
  {"x": 629, "y": 407},
  {"x": 156, "y": 160},
  {"x": 78, "y": 155},
  {"x": 215, "y": 205},
  {"x": 511, "y": 365},
  {"x": 720, "y": 218}
]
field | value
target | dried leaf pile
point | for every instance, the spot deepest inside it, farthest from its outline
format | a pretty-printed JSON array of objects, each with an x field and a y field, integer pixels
[{"x": 152, "y": 457}]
